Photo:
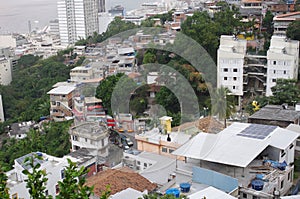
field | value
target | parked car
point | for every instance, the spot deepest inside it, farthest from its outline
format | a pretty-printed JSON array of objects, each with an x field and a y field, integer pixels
[{"x": 129, "y": 142}]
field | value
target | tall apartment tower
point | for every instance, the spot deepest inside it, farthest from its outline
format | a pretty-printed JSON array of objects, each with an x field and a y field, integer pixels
[
  {"x": 5, "y": 70},
  {"x": 231, "y": 56},
  {"x": 101, "y": 5},
  {"x": 77, "y": 19},
  {"x": 283, "y": 60},
  {"x": 245, "y": 73}
]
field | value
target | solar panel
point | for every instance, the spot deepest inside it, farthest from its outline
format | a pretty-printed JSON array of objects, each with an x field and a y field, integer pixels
[{"x": 257, "y": 131}]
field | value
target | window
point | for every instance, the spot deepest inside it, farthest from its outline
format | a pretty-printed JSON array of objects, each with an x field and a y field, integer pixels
[
  {"x": 138, "y": 163},
  {"x": 86, "y": 139},
  {"x": 281, "y": 184},
  {"x": 255, "y": 197},
  {"x": 244, "y": 195},
  {"x": 234, "y": 78},
  {"x": 235, "y": 70},
  {"x": 274, "y": 71},
  {"x": 282, "y": 153},
  {"x": 102, "y": 142},
  {"x": 57, "y": 189},
  {"x": 225, "y": 78},
  {"x": 225, "y": 70},
  {"x": 233, "y": 87},
  {"x": 171, "y": 150},
  {"x": 75, "y": 138},
  {"x": 289, "y": 175},
  {"x": 274, "y": 62},
  {"x": 291, "y": 146},
  {"x": 273, "y": 80},
  {"x": 46, "y": 192},
  {"x": 62, "y": 174},
  {"x": 145, "y": 164},
  {"x": 164, "y": 149},
  {"x": 284, "y": 72}
]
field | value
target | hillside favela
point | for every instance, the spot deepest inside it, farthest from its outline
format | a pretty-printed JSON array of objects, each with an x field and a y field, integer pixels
[{"x": 149, "y": 99}]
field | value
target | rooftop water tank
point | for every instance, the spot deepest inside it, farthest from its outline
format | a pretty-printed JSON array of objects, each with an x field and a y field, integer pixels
[
  {"x": 173, "y": 191},
  {"x": 185, "y": 187},
  {"x": 257, "y": 184}
]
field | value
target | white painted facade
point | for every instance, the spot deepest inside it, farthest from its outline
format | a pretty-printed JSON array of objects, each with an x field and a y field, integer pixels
[
  {"x": 283, "y": 59},
  {"x": 77, "y": 19},
  {"x": 5, "y": 71},
  {"x": 90, "y": 135},
  {"x": 2, "y": 118},
  {"x": 236, "y": 66},
  {"x": 231, "y": 55},
  {"x": 52, "y": 165}
]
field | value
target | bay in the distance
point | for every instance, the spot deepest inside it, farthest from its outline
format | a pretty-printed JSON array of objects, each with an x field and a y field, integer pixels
[{"x": 15, "y": 14}]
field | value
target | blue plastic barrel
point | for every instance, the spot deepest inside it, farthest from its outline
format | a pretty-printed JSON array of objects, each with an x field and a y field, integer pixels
[
  {"x": 258, "y": 185},
  {"x": 185, "y": 187},
  {"x": 173, "y": 191}
]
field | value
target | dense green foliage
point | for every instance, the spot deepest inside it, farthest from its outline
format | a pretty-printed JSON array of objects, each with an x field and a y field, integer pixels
[
  {"x": 105, "y": 89},
  {"x": 115, "y": 27},
  {"x": 26, "y": 97},
  {"x": 54, "y": 141},
  {"x": 286, "y": 91},
  {"x": 3, "y": 185},
  {"x": 36, "y": 179},
  {"x": 292, "y": 31},
  {"x": 73, "y": 185}
]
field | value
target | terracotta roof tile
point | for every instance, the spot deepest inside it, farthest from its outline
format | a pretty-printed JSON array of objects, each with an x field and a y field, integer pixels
[{"x": 119, "y": 180}]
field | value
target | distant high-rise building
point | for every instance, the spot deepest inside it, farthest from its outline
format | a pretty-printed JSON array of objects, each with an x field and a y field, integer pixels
[
  {"x": 5, "y": 67},
  {"x": 101, "y": 5},
  {"x": 54, "y": 27},
  {"x": 77, "y": 19},
  {"x": 1, "y": 110}
]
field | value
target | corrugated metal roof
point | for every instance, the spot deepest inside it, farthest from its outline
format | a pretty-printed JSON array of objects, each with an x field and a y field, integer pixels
[
  {"x": 229, "y": 148},
  {"x": 210, "y": 193}
]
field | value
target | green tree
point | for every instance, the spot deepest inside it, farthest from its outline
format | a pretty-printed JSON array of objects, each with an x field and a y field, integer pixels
[
  {"x": 221, "y": 104},
  {"x": 36, "y": 179},
  {"x": 105, "y": 89},
  {"x": 285, "y": 91},
  {"x": 149, "y": 57},
  {"x": 292, "y": 31},
  {"x": 268, "y": 22},
  {"x": 73, "y": 185},
  {"x": 3, "y": 185}
]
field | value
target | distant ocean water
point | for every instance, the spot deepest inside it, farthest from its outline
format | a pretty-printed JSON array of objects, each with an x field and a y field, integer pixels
[{"x": 15, "y": 14}]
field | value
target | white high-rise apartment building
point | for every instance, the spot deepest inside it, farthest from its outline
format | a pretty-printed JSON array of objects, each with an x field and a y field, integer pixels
[
  {"x": 242, "y": 72},
  {"x": 77, "y": 19},
  {"x": 5, "y": 70},
  {"x": 283, "y": 59},
  {"x": 231, "y": 56}
]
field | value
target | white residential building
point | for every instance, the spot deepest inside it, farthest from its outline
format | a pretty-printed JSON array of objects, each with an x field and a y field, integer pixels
[
  {"x": 234, "y": 158},
  {"x": 231, "y": 55},
  {"x": 5, "y": 70},
  {"x": 243, "y": 73},
  {"x": 54, "y": 168},
  {"x": 92, "y": 136},
  {"x": 2, "y": 118},
  {"x": 283, "y": 61},
  {"x": 77, "y": 19}
]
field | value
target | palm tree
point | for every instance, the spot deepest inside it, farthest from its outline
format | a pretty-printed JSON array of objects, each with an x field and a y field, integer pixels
[{"x": 220, "y": 105}]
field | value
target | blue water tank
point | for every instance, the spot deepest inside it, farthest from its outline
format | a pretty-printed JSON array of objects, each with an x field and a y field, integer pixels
[
  {"x": 260, "y": 176},
  {"x": 185, "y": 187},
  {"x": 173, "y": 191},
  {"x": 257, "y": 184}
]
